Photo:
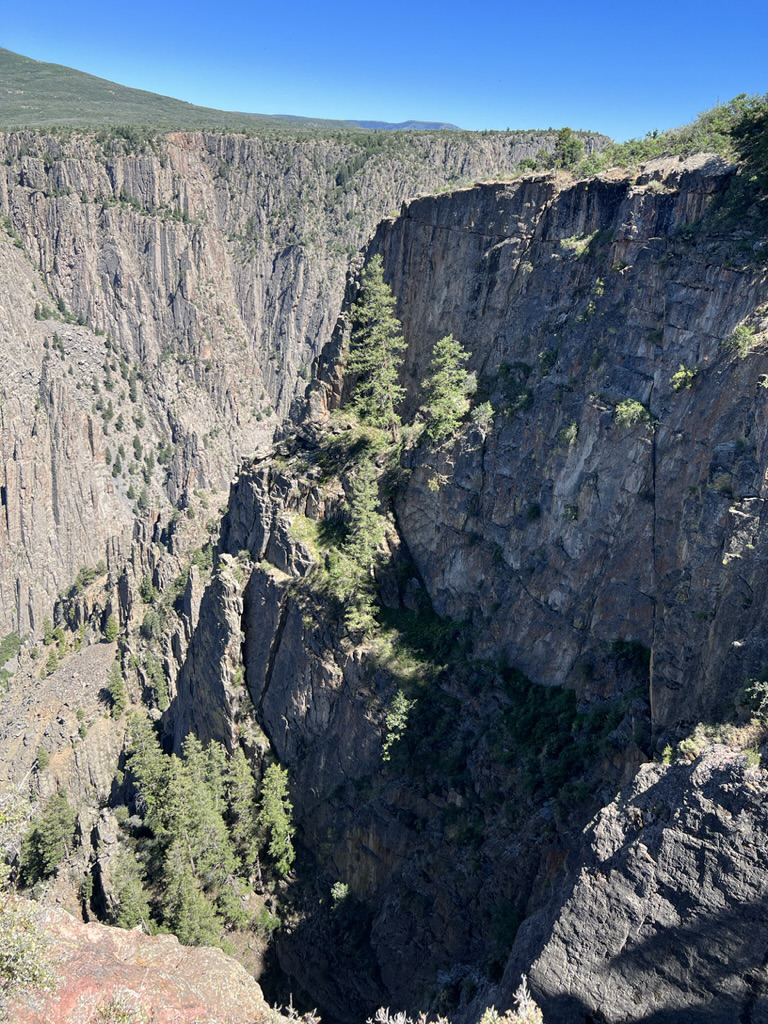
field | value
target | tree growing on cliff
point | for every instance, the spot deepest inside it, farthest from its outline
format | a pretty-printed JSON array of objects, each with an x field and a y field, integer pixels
[
  {"x": 447, "y": 389},
  {"x": 569, "y": 149},
  {"x": 275, "y": 819},
  {"x": 376, "y": 352},
  {"x": 750, "y": 139},
  {"x": 47, "y": 841}
]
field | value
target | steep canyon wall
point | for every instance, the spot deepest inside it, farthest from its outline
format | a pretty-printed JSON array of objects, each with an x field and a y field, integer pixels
[
  {"x": 601, "y": 530},
  {"x": 210, "y": 265}
]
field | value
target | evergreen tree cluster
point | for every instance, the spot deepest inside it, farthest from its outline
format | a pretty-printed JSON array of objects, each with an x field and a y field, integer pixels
[
  {"x": 49, "y": 838},
  {"x": 375, "y": 361},
  {"x": 208, "y": 829}
]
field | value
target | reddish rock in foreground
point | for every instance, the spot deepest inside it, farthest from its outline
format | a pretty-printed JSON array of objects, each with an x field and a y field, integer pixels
[{"x": 105, "y": 974}]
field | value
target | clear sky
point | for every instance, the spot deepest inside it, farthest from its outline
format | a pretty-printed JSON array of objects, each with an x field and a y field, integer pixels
[{"x": 617, "y": 67}]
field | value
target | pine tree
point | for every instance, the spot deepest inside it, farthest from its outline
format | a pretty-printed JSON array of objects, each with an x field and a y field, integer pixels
[
  {"x": 186, "y": 911},
  {"x": 128, "y": 889},
  {"x": 366, "y": 532},
  {"x": 241, "y": 796},
  {"x": 148, "y": 766},
  {"x": 275, "y": 818},
  {"x": 116, "y": 689},
  {"x": 447, "y": 388},
  {"x": 47, "y": 842},
  {"x": 376, "y": 352}
]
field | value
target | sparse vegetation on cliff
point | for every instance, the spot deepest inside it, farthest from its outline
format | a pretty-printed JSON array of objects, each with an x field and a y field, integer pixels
[{"x": 376, "y": 352}]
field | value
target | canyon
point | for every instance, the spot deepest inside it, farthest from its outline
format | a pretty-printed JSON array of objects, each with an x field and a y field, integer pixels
[{"x": 540, "y": 762}]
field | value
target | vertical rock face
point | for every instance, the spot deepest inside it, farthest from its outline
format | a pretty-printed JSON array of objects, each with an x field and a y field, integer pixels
[
  {"x": 209, "y": 691},
  {"x": 660, "y": 918},
  {"x": 610, "y": 506},
  {"x": 564, "y": 530},
  {"x": 209, "y": 267},
  {"x": 310, "y": 695},
  {"x": 60, "y": 502}
]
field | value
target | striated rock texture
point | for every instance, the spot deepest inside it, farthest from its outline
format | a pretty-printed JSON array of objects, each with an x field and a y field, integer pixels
[
  {"x": 310, "y": 696},
  {"x": 106, "y": 973},
  {"x": 659, "y": 918},
  {"x": 60, "y": 502},
  {"x": 562, "y": 532},
  {"x": 211, "y": 268},
  {"x": 600, "y": 527}
]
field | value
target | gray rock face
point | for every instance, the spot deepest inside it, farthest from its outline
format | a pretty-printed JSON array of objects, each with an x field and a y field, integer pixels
[
  {"x": 660, "y": 917},
  {"x": 208, "y": 688},
  {"x": 559, "y": 531},
  {"x": 215, "y": 266},
  {"x": 310, "y": 695},
  {"x": 65, "y": 715},
  {"x": 566, "y": 538}
]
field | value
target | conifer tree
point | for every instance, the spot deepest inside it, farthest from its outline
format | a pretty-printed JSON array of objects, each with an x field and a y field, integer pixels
[
  {"x": 366, "y": 532},
  {"x": 376, "y": 352},
  {"x": 241, "y": 796},
  {"x": 128, "y": 890},
  {"x": 447, "y": 389},
  {"x": 275, "y": 818},
  {"x": 47, "y": 842}
]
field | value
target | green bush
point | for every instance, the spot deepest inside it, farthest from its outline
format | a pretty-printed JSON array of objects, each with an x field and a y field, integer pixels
[
  {"x": 742, "y": 341},
  {"x": 46, "y": 843},
  {"x": 631, "y": 412},
  {"x": 24, "y": 961},
  {"x": 683, "y": 378}
]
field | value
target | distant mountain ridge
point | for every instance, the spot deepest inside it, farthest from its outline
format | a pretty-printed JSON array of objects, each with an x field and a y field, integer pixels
[
  {"x": 35, "y": 94},
  {"x": 409, "y": 126}
]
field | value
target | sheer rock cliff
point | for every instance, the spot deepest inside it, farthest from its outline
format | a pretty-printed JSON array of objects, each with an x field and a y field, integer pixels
[
  {"x": 601, "y": 531},
  {"x": 206, "y": 271}
]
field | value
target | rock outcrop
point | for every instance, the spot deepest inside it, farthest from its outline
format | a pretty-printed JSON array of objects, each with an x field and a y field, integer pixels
[
  {"x": 659, "y": 917},
  {"x": 578, "y": 522},
  {"x": 599, "y": 527},
  {"x": 103, "y": 973}
]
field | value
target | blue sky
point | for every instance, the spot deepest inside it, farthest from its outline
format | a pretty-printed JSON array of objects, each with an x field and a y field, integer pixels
[{"x": 620, "y": 68}]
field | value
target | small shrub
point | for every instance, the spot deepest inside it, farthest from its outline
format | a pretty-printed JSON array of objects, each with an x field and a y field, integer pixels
[
  {"x": 742, "y": 341},
  {"x": 24, "y": 962},
  {"x": 526, "y": 1011},
  {"x": 395, "y": 722},
  {"x": 631, "y": 412},
  {"x": 121, "y": 1009},
  {"x": 752, "y": 757},
  {"x": 482, "y": 416},
  {"x": 339, "y": 893},
  {"x": 683, "y": 378},
  {"x": 569, "y": 435}
]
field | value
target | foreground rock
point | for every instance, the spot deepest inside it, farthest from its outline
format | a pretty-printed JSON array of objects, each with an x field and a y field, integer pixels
[
  {"x": 661, "y": 917},
  {"x": 109, "y": 974}
]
